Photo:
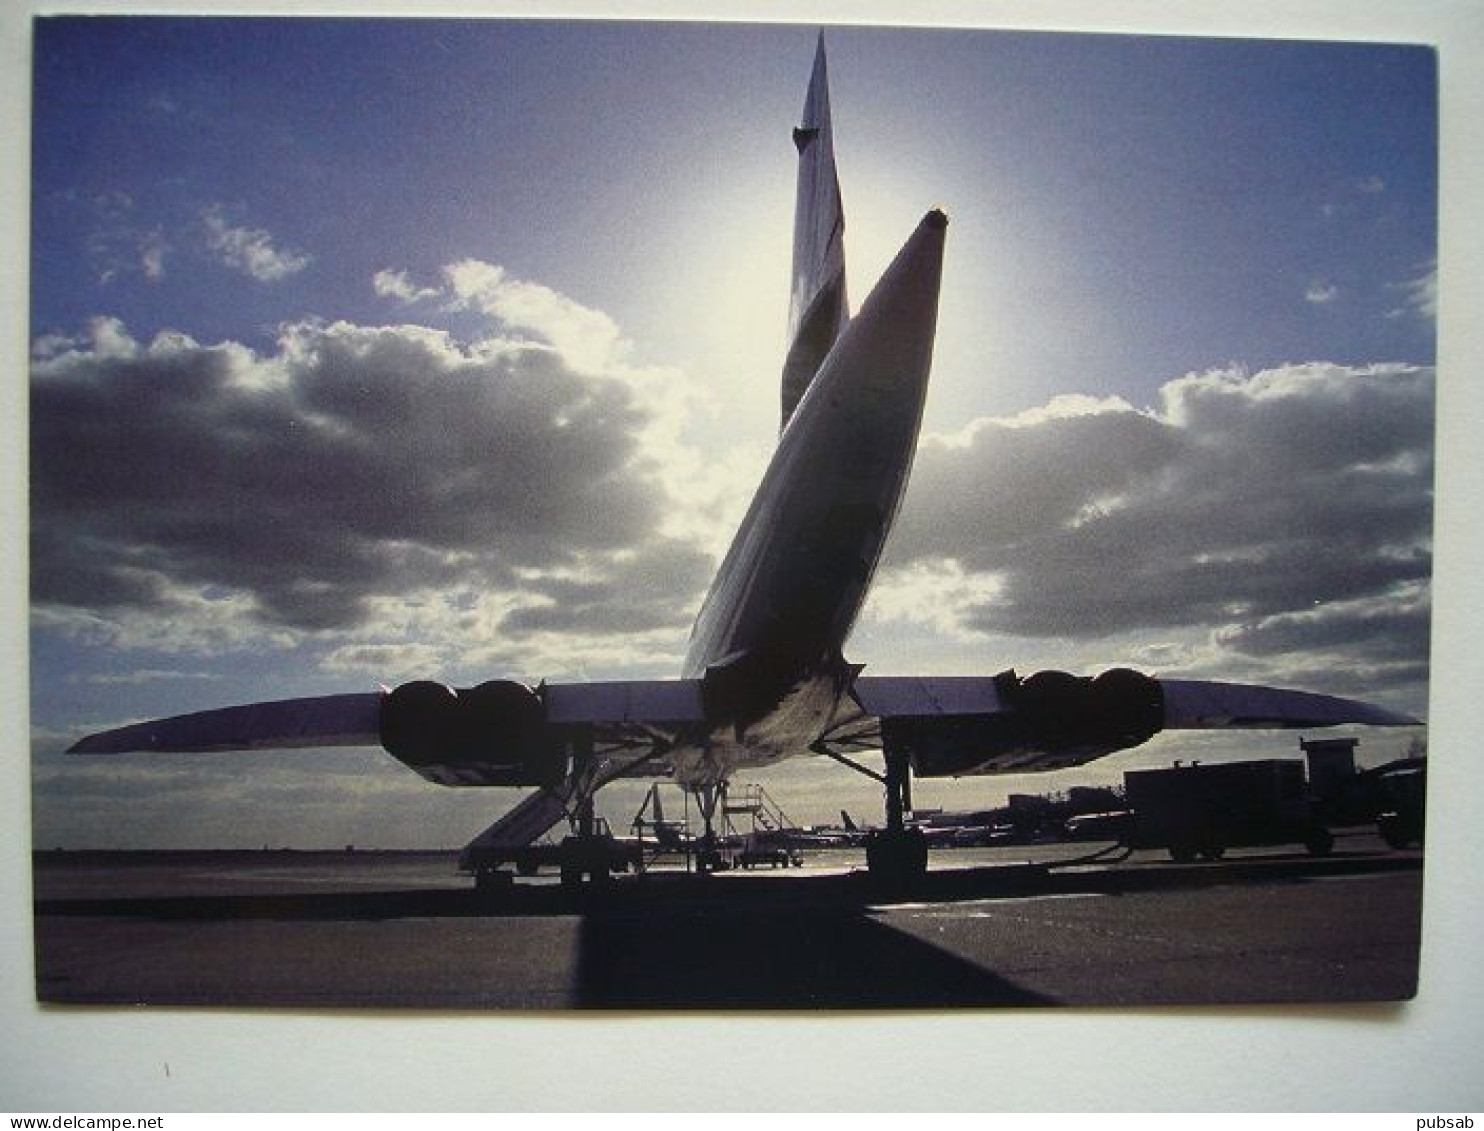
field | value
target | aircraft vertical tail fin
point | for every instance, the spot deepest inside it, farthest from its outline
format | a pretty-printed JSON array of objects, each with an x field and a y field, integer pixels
[{"x": 817, "y": 309}]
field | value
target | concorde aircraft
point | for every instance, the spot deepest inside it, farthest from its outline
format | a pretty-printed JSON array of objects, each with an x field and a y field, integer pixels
[{"x": 765, "y": 676}]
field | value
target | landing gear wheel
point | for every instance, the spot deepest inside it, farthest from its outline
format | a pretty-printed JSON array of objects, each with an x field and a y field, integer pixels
[
  {"x": 487, "y": 881},
  {"x": 709, "y": 860},
  {"x": 1399, "y": 832},
  {"x": 1319, "y": 842},
  {"x": 897, "y": 860},
  {"x": 584, "y": 858}
]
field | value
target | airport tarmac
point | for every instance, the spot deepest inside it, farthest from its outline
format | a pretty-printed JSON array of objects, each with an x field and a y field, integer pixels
[{"x": 990, "y": 927}]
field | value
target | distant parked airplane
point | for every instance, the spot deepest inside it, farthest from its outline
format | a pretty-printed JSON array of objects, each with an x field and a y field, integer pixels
[{"x": 765, "y": 677}]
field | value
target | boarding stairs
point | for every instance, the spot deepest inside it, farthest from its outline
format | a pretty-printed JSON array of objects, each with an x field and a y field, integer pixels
[
  {"x": 537, "y": 814},
  {"x": 763, "y": 813}
]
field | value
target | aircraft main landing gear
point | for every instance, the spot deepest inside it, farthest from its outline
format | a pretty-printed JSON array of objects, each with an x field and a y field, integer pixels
[
  {"x": 896, "y": 856},
  {"x": 584, "y": 856},
  {"x": 709, "y": 858},
  {"x": 896, "y": 860}
]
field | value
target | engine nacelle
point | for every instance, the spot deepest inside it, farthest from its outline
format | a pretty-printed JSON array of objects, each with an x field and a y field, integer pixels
[
  {"x": 1116, "y": 709},
  {"x": 492, "y": 734},
  {"x": 1051, "y": 719}
]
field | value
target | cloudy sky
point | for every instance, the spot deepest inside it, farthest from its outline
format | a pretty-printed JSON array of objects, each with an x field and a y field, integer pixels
[{"x": 364, "y": 351}]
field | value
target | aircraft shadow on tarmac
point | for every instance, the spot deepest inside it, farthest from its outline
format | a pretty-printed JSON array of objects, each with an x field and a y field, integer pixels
[
  {"x": 684, "y": 942},
  {"x": 653, "y": 894},
  {"x": 668, "y": 893},
  {"x": 771, "y": 944},
  {"x": 739, "y": 959}
]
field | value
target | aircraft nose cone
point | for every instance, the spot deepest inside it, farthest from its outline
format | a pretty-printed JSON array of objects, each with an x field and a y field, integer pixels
[
  {"x": 910, "y": 284},
  {"x": 858, "y": 423},
  {"x": 880, "y": 362},
  {"x": 894, "y": 330}
]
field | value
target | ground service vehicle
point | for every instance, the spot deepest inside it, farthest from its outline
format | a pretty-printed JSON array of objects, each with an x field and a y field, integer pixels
[
  {"x": 1404, "y": 785},
  {"x": 770, "y": 856},
  {"x": 1202, "y": 810},
  {"x": 598, "y": 855}
]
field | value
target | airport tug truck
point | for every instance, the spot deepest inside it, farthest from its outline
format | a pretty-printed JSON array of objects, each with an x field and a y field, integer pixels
[
  {"x": 599, "y": 854},
  {"x": 1202, "y": 810}
]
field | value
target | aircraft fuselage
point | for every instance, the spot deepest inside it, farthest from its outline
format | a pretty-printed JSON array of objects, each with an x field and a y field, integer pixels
[{"x": 769, "y": 636}]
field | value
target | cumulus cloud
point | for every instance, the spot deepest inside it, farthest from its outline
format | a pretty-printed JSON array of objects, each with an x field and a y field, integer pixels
[
  {"x": 708, "y": 490},
  {"x": 413, "y": 503},
  {"x": 588, "y": 338},
  {"x": 392, "y": 663},
  {"x": 1392, "y": 625},
  {"x": 396, "y": 284},
  {"x": 1281, "y": 511},
  {"x": 935, "y": 592},
  {"x": 250, "y": 250},
  {"x": 200, "y": 493},
  {"x": 1321, "y": 293}
]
